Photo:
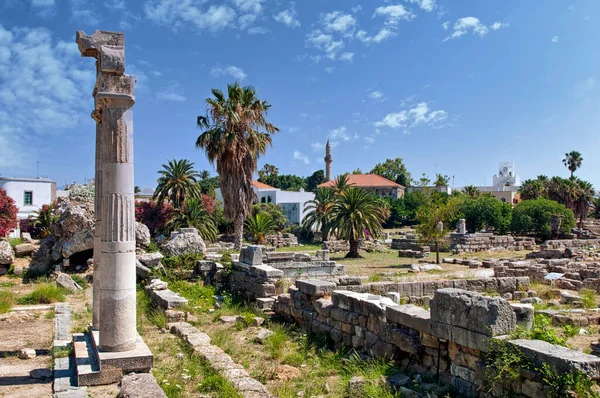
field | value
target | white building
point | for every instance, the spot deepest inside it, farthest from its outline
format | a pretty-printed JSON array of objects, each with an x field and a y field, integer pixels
[
  {"x": 29, "y": 194},
  {"x": 293, "y": 203}
]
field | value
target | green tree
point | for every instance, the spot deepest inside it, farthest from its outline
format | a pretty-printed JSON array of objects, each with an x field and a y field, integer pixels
[
  {"x": 318, "y": 177},
  {"x": 572, "y": 161},
  {"x": 290, "y": 182},
  {"x": 583, "y": 200},
  {"x": 318, "y": 212},
  {"x": 441, "y": 180},
  {"x": 533, "y": 217},
  {"x": 596, "y": 207},
  {"x": 193, "y": 214},
  {"x": 434, "y": 221},
  {"x": 394, "y": 170},
  {"x": 208, "y": 184},
  {"x": 424, "y": 181},
  {"x": 357, "y": 171},
  {"x": 268, "y": 175},
  {"x": 136, "y": 190},
  {"x": 177, "y": 182},
  {"x": 533, "y": 189},
  {"x": 485, "y": 212},
  {"x": 472, "y": 191},
  {"x": 258, "y": 226},
  {"x": 236, "y": 133},
  {"x": 356, "y": 211}
]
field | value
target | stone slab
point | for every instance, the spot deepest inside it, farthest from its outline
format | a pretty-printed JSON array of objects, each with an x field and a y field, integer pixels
[
  {"x": 561, "y": 358},
  {"x": 266, "y": 271},
  {"x": 410, "y": 316},
  {"x": 314, "y": 287},
  {"x": 166, "y": 299},
  {"x": 139, "y": 360}
]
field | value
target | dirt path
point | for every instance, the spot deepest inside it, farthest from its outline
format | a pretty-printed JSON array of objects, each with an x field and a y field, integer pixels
[{"x": 25, "y": 330}]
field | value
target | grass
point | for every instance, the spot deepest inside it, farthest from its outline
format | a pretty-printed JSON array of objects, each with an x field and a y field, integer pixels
[
  {"x": 589, "y": 299},
  {"x": 14, "y": 241},
  {"x": 178, "y": 371},
  {"x": 44, "y": 293},
  {"x": 7, "y": 300},
  {"x": 200, "y": 297},
  {"x": 80, "y": 281}
]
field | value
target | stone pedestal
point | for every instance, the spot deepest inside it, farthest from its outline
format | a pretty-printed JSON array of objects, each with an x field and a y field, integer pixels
[{"x": 462, "y": 226}]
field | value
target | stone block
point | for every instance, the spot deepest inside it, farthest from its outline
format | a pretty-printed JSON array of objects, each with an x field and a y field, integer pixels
[
  {"x": 474, "y": 312},
  {"x": 65, "y": 281},
  {"x": 316, "y": 288},
  {"x": 266, "y": 271},
  {"x": 166, "y": 299},
  {"x": 561, "y": 358},
  {"x": 525, "y": 315},
  {"x": 410, "y": 316},
  {"x": 140, "y": 385},
  {"x": 24, "y": 249},
  {"x": 251, "y": 255},
  {"x": 265, "y": 303}
]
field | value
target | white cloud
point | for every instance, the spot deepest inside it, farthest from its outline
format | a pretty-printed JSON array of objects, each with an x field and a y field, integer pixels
[
  {"x": 329, "y": 69},
  {"x": 394, "y": 13},
  {"x": 382, "y": 35},
  {"x": 178, "y": 13},
  {"x": 325, "y": 42},
  {"x": 173, "y": 92},
  {"x": 376, "y": 95},
  {"x": 317, "y": 146},
  {"x": 45, "y": 90},
  {"x": 463, "y": 25},
  {"x": 258, "y": 30},
  {"x": 348, "y": 56},
  {"x": 418, "y": 115},
  {"x": 340, "y": 134},
  {"x": 446, "y": 25},
  {"x": 369, "y": 139},
  {"x": 288, "y": 17},
  {"x": 337, "y": 21},
  {"x": 301, "y": 157},
  {"x": 426, "y": 5},
  {"x": 233, "y": 71},
  {"x": 356, "y": 9},
  {"x": 555, "y": 39}
]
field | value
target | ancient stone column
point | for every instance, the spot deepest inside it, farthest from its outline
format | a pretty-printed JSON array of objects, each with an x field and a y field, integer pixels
[
  {"x": 462, "y": 226},
  {"x": 114, "y": 97},
  {"x": 97, "y": 116}
]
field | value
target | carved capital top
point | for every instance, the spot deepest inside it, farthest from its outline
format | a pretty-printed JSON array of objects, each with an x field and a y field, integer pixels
[{"x": 107, "y": 47}]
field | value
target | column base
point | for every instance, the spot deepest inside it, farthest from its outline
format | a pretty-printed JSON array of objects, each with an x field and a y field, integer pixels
[{"x": 95, "y": 367}]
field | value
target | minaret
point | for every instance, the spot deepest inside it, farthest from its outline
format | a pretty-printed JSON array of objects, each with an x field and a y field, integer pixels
[{"x": 328, "y": 160}]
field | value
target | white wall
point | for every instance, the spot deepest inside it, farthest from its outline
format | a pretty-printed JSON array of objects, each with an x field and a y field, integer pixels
[{"x": 15, "y": 188}]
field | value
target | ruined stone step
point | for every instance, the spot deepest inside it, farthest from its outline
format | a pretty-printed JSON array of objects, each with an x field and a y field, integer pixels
[{"x": 88, "y": 366}]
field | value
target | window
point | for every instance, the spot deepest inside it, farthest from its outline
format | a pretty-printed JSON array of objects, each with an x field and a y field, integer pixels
[{"x": 28, "y": 198}]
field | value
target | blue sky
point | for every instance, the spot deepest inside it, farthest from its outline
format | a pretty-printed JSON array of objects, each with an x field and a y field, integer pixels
[{"x": 452, "y": 87}]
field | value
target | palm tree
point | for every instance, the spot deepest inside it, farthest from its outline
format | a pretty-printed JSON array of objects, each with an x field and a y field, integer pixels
[
  {"x": 572, "y": 161},
  {"x": 472, "y": 191},
  {"x": 177, "y": 182},
  {"x": 318, "y": 212},
  {"x": 356, "y": 211},
  {"x": 194, "y": 215},
  {"x": 341, "y": 184},
  {"x": 534, "y": 189},
  {"x": 583, "y": 200},
  {"x": 236, "y": 133},
  {"x": 259, "y": 225}
]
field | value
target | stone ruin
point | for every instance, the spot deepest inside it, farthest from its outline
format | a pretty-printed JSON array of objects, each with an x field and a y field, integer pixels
[
  {"x": 448, "y": 341},
  {"x": 71, "y": 243},
  {"x": 487, "y": 241},
  {"x": 565, "y": 248},
  {"x": 337, "y": 245},
  {"x": 409, "y": 246},
  {"x": 281, "y": 240}
]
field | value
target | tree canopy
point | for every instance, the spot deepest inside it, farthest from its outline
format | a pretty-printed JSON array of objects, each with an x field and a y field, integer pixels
[{"x": 394, "y": 170}]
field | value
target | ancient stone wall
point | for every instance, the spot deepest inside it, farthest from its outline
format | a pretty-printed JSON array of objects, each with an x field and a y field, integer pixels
[
  {"x": 477, "y": 242},
  {"x": 281, "y": 240},
  {"x": 564, "y": 248},
  {"x": 449, "y": 340}
]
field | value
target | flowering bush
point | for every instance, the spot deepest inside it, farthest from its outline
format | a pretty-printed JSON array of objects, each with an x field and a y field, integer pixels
[
  {"x": 155, "y": 217},
  {"x": 8, "y": 214},
  {"x": 82, "y": 192},
  {"x": 209, "y": 204}
]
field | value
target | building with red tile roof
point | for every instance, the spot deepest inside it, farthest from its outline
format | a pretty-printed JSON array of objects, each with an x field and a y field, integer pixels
[{"x": 373, "y": 183}]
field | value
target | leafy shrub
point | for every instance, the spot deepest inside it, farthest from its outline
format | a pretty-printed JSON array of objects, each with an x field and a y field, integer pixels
[
  {"x": 45, "y": 219},
  {"x": 589, "y": 299},
  {"x": 275, "y": 212},
  {"x": 14, "y": 241},
  {"x": 8, "y": 213},
  {"x": 533, "y": 217},
  {"x": 193, "y": 214},
  {"x": 258, "y": 225},
  {"x": 154, "y": 216},
  {"x": 80, "y": 281},
  {"x": 45, "y": 293},
  {"x": 541, "y": 330}
]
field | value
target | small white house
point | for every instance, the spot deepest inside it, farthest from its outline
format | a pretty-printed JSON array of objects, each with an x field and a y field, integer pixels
[
  {"x": 293, "y": 203},
  {"x": 29, "y": 194}
]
